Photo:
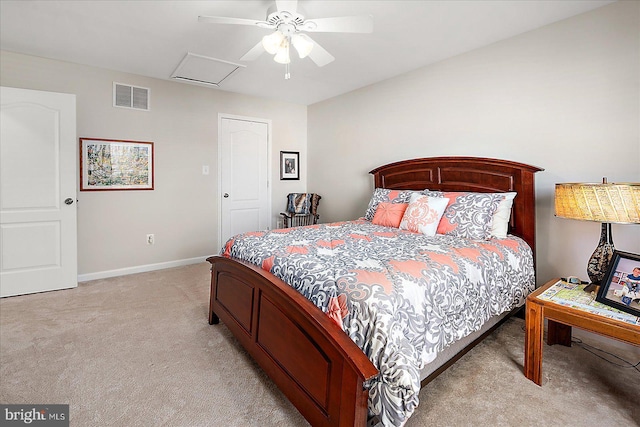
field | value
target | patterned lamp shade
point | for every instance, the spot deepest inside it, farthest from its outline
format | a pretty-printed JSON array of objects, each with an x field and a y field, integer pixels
[
  {"x": 605, "y": 203},
  {"x": 610, "y": 203}
]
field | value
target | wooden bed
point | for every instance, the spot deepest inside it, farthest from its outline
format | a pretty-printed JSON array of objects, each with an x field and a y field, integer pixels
[{"x": 313, "y": 362}]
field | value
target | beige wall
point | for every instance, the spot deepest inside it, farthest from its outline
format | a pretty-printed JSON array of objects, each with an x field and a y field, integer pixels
[
  {"x": 564, "y": 97},
  {"x": 182, "y": 211}
]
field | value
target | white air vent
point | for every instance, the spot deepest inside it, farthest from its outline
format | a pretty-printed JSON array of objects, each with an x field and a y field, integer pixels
[{"x": 128, "y": 96}]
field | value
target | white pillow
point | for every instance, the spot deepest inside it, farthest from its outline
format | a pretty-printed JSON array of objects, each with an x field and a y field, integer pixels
[
  {"x": 500, "y": 224},
  {"x": 423, "y": 214}
]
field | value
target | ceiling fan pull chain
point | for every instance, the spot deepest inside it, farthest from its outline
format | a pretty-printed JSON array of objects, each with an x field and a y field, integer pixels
[{"x": 287, "y": 74}]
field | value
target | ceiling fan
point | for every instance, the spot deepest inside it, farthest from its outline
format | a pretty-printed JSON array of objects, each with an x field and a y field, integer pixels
[{"x": 290, "y": 25}]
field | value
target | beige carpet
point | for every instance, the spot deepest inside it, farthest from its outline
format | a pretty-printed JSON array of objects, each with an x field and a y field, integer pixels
[{"x": 137, "y": 351}]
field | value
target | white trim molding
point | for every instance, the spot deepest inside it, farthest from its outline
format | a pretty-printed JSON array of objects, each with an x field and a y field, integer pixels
[{"x": 140, "y": 269}]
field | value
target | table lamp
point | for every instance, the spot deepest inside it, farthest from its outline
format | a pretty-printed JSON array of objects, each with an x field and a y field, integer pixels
[{"x": 606, "y": 203}]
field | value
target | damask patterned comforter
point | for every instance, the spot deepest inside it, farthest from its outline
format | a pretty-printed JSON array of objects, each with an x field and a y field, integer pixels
[{"x": 401, "y": 296}]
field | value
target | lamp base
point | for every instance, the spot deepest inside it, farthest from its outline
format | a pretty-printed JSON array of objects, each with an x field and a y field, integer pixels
[
  {"x": 600, "y": 259},
  {"x": 591, "y": 287}
]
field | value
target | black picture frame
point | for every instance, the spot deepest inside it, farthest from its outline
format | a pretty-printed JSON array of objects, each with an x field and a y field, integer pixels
[
  {"x": 289, "y": 165},
  {"x": 618, "y": 289}
]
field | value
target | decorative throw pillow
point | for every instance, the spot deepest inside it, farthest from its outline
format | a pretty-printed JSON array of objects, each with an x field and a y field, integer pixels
[
  {"x": 468, "y": 215},
  {"x": 389, "y": 214},
  {"x": 500, "y": 223},
  {"x": 423, "y": 214},
  {"x": 386, "y": 195}
]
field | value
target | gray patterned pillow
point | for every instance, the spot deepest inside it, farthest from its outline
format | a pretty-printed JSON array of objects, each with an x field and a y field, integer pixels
[
  {"x": 388, "y": 196},
  {"x": 468, "y": 215}
]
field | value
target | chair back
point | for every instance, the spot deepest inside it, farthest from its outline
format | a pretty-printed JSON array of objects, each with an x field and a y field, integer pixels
[
  {"x": 301, "y": 210},
  {"x": 303, "y": 203}
]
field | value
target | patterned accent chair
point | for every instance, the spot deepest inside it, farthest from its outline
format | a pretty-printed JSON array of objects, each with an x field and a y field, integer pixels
[{"x": 301, "y": 210}]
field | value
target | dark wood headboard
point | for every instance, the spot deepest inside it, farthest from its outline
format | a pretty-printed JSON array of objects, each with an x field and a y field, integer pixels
[{"x": 477, "y": 174}]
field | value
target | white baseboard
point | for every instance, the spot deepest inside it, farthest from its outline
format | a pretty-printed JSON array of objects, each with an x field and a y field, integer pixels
[{"x": 140, "y": 269}]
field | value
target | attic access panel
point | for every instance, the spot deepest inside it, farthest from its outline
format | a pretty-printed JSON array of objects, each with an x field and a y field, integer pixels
[{"x": 204, "y": 70}]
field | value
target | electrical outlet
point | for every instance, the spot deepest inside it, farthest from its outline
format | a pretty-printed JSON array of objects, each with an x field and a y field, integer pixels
[{"x": 151, "y": 239}]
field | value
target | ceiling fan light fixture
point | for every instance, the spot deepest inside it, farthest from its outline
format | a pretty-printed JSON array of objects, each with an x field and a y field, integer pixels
[
  {"x": 303, "y": 44},
  {"x": 282, "y": 56},
  {"x": 288, "y": 21},
  {"x": 272, "y": 42}
]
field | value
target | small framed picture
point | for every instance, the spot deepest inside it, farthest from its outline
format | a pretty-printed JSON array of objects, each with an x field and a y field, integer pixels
[
  {"x": 115, "y": 165},
  {"x": 289, "y": 165},
  {"x": 621, "y": 285}
]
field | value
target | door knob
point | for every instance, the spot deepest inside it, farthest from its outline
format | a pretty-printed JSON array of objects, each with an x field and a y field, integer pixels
[
  {"x": 69, "y": 201},
  {"x": 226, "y": 195}
]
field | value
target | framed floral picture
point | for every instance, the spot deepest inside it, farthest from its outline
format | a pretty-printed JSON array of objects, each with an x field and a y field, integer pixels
[
  {"x": 289, "y": 165},
  {"x": 621, "y": 286},
  {"x": 115, "y": 165}
]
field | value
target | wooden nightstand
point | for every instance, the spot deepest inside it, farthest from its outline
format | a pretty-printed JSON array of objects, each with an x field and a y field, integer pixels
[{"x": 560, "y": 319}]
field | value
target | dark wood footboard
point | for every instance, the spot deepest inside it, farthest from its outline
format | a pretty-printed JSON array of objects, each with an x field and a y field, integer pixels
[{"x": 315, "y": 364}]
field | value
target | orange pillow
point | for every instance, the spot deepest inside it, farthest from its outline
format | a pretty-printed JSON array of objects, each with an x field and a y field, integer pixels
[{"x": 389, "y": 214}]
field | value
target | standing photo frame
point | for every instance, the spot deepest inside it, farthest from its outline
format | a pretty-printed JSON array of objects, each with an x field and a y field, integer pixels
[
  {"x": 108, "y": 165},
  {"x": 289, "y": 165},
  {"x": 621, "y": 286}
]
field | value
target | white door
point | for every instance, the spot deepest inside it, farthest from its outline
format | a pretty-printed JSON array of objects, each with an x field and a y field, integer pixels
[
  {"x": 38, "y": 247},
  {"x": 245, "y": 202}
]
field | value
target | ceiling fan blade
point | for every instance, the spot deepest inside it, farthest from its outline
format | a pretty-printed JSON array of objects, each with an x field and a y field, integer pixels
[
  {"x": 225, "y": 20},
  {"x": 253, "y": 53},
  {"x": 288, "y": 5},
  {"x": 319, "y": 55},
  {"x": 341, "y": 24}
]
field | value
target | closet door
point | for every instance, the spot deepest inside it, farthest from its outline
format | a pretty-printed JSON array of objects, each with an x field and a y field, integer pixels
[
  {"x": 38, "y": 234},
  {"x": 245, "y": 202}
]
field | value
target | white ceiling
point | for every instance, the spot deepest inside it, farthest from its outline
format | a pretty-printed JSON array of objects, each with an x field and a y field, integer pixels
[{"x": 150, "y": 38}]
